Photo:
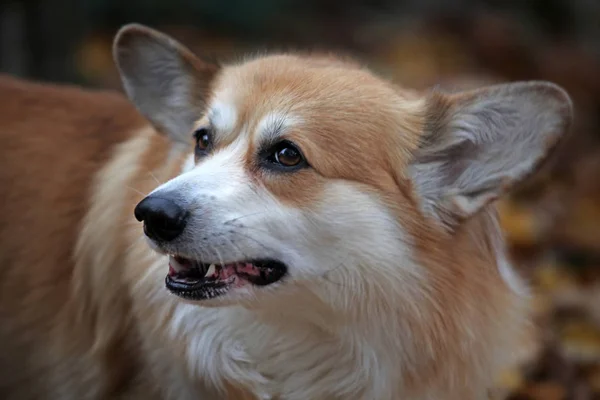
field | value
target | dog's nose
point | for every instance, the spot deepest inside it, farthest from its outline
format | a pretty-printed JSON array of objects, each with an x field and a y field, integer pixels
[{"x": 163, "y": 219}]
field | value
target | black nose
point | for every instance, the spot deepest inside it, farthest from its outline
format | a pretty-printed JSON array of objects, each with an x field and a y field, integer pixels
[{"x": 164, "y": 219}]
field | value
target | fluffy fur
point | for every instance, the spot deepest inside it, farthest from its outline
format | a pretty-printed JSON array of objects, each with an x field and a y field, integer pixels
[{"x": 398, "y": 285}]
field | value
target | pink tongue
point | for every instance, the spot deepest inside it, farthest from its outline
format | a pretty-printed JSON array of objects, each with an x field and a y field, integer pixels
[
  {"x": 248, "y": 269},
  {"x": 233, "y": 269}
]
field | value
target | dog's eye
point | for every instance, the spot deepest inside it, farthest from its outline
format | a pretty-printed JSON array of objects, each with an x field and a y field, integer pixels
[
  {"x": 203, "y": 140},
  {"x": 286, "y": 155}
]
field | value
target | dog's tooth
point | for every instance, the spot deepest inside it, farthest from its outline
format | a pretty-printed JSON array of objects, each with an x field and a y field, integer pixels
[
  {"x": 175, "y": 264},
  {"x": 211, "y": 270}
]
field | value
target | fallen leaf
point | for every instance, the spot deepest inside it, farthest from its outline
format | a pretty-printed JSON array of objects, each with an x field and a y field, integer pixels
[{"x": 546, "y": 391}]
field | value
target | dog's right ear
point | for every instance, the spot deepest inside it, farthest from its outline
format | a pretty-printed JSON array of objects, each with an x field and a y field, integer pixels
[{"x": 167, "y": 83}]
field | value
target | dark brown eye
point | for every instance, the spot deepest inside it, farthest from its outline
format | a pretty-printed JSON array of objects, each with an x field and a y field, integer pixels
[
  {"x": 203, "y": 139},
  {"x": 288, "y": 156},
  {"x": 284, "y": 155}
]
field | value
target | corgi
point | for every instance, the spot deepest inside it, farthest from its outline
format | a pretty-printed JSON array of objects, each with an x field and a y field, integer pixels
[{"x": 289, "y": 227}]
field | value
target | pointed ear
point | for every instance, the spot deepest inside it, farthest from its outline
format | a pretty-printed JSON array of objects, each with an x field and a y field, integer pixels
[
  {"x": 165, "y": 81},
  {"x": 478, "y": 144}
]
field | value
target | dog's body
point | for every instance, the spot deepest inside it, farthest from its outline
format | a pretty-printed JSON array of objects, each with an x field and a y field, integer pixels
[
  {"x": 49, "y": 308},
  {"x": 382, "y": 289}
]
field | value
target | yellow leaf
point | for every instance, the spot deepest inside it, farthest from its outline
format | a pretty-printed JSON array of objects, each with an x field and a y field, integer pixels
[
  {"x": 510, "y": 379},
  {"x": 550, "y": 278},
  {"x": 581, "y": 340},
  {"x": 546, "y": 391},
  {"x": 519, "y": 224}
]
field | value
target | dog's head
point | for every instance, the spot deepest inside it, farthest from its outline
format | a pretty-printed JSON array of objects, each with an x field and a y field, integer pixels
[{"x": 310, "y": 172}]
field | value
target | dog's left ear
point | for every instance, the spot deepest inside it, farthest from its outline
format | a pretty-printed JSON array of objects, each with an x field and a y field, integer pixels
[
  {"x": 167, "y": 83},
  {"x": 478, "y": 144}
]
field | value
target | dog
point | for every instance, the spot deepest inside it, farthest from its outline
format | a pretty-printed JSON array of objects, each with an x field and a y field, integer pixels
[{"x": 289, "y": 227}]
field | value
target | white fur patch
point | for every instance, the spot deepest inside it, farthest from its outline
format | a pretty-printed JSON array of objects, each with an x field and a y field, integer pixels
[
  {"x": 514, "y": 282},
  {"x": 188, "y": 164},
  {"x": 223, "y": 116},
  {"x": 275, "y": 123},
  {"x": 505, "y": 267}
]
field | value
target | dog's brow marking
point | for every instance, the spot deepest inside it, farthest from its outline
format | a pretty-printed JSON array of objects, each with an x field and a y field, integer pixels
[
  {"x": 273, "y": 125},
  {"x": 223, "y": 117}
]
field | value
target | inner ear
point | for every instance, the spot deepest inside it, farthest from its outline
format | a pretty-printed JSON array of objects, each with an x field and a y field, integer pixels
[
  {"x": 168, "y": 84},
  {"x": 477, "y": 145}
]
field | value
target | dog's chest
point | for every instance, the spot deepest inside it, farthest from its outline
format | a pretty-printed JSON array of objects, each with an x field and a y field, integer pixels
[{"x": 273, "y": 363}]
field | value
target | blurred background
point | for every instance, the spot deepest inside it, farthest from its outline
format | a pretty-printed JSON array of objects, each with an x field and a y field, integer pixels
[{"x": 552, "y": 222}]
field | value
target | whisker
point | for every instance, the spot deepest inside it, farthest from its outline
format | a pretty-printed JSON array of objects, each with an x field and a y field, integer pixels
[
  {"x": 131, "y": 223},
  {"x": 215, "y": 249},
  {"x": 336, "y": 267},
  {"x": 325, "y": 275},
  {"x": 250, "y": 228},
  {"x": 253, "y": 189},
  {"x": 239, "y": 249},
  {"x": 254, "y": 240},
  {"x": 135, "y": 242},
  {"x": 135, "y": 190},
  {"x": 242, "y": 216},
  {"x": 236, "y": 247},
  {"x": 155, "y": 178},
  {"x": 197, "y": 255}
]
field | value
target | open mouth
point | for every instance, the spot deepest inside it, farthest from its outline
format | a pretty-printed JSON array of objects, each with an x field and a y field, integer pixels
[{"x": 195, "y": 280}]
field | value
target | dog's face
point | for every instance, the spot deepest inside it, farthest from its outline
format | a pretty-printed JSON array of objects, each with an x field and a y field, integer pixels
[
  {"x": 287, "y": 179},
  {"x": 311, "y": 172}
]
